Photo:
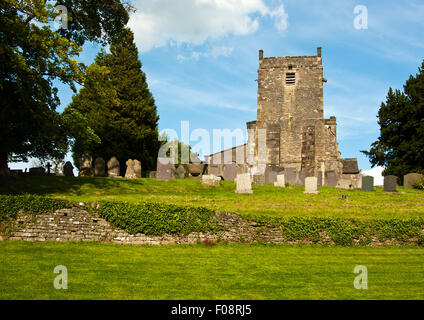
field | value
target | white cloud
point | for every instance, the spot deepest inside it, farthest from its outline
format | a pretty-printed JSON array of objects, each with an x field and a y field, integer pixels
[
  {"x": 215, "y": 52},
  {"x": 161, "y": 22},
  {"x": 377, "y": 173}
]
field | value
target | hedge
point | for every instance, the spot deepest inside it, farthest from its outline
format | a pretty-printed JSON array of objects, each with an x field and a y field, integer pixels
[
  {"x": 158, "y": 219},
  {"x": 30, "y": 204}
]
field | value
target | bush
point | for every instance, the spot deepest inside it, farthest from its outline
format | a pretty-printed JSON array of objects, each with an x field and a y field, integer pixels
[
  {"x": 157, "y": 219},
  {"x": 30, "y": 204},
  {"x": 419, "y": 184}
]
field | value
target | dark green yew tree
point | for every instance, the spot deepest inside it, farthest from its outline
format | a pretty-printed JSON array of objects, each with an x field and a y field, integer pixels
[{"x": 119, "y": 107}]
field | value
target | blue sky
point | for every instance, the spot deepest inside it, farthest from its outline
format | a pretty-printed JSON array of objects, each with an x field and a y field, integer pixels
[{"x": 201, "y": 58}]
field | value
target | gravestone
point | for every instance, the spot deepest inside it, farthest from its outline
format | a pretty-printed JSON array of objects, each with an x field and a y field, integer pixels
[
  {"x": 68, "y": 169},
  {"x": 270, "y": 176},
  {"x": 302, "y": 177},
  {"x": 331, "y": 178},
  {"x": 210, "y": 180},
  {"x": 39, "y": 171},
  {"x": 311, "y": 185},
  {"x": 367, "y": 183},
  {"x": 113, "y": 168},
  {"x": 390, "y": 183},
  {"x": 181, "y": 172},
  {"x": 152, "y": 174},
  {"x": 133, "y": 169},
  {"x": 230, "y": 172},
  {"x": 258, "y": 179},
  {"x": 99, "y": 167},
  {"x": 196, "y": 169},
  {"x": 319, "y": 179},
  {"x": 85, "y": 162},
  {"x": 410, "y": 179},
  {"x": 244, "y": 183},
  {"x": 281, "y": 181},
  {"x": 290, "y": 175},
  {"x": 165, "y": 170}
]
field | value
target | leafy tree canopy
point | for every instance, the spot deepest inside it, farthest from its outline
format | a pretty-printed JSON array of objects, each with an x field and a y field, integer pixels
[
  {"x": 400, "y": 147},
  {"x": 33, "y": 55}
]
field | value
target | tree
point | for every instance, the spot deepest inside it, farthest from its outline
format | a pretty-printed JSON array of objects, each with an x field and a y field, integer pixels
[
  {"x": 119, "y": 106},
  {"x": 400, "y": 147},
  {"x": 32, "y": 57}
]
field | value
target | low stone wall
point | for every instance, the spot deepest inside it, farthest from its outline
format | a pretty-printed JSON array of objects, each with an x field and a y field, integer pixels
[{"x": 79, "y": 225}]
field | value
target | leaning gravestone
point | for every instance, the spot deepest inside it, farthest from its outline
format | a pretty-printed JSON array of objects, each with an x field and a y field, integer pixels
[
  {"x": 367, "y": 183},
  {"x": 99, "y": 167},
  {"x": 113, "y": 169},
  {"x": 196, "y": 169},
  {"x": 181, "y": 172},
  {"x": 230, "y": 172},
  {"x": 281, "y": 181},
  {"x": 390, "y": 183},
  {"x": 39, "y": 171},
  {"x": 311, "y": 185},
  {"x": 165, "y": 170},
  {"x": 133, "y": 169},
  {"x": 244, "y": 183},
  {"x": 410, "y": 179},
  {"x": 68, "y": 169},
  {"x": 85, "y": 163},
  {"x": 210, "y": 180}
]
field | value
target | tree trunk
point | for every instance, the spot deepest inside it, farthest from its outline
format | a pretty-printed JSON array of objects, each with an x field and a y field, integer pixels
[{"x": 4, "y": 170}]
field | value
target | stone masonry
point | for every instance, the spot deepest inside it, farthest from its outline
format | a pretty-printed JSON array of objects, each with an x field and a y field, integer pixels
[{"x": 291, "y": 113}]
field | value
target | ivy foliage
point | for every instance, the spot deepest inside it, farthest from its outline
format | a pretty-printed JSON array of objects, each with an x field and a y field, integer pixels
[{"x": 158, "y": 219}]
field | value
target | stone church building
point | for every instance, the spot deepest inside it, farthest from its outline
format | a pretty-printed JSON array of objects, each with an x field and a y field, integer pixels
[{"x": 290, "y": 134}]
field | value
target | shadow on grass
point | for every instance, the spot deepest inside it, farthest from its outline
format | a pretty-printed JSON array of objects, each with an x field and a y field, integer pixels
[{"x": 64, "y": 185}]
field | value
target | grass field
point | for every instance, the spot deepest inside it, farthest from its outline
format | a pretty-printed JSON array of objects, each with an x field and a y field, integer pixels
[
  {"x": 101, "y": 271},
  {"x": 266, "y": 200}
]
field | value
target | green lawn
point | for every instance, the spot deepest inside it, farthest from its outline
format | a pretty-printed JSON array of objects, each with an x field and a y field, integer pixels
[
  {"x": 103, "y": 271},
  {"x": 266, "y": 200}
]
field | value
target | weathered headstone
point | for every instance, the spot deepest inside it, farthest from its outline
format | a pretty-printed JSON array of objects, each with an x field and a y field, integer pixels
[
  {"x": 302, "y": 177},
  {"x": 181, "y": 172},
  {"x": 270, "y": 176},
  {"x": 211, "y": 180},
  {"x": 258, "y": 179},
  {"x": 281, "y": 181},
  {"x": 196, "y": 169},
  {"x": 99, "y": 167},
  {"x": 165, "y": 169},
  {"x": 113, "y": 168},
  {"x": 68, "y": 169},
  {"x": 39, "y": 171},
  {"x": 390, "y": 183},
  {"x": 331, "y": 178},
  {"x": 133, "y": 169},
  {"x": 59, "y": 169},
  {"x": 410, "y": 179},
  {"x": 319, "y": 179},
  {"x": 290, "y": 175},
  {"x": 244, "y": 183},
  {"x": 230, "y": 172},
  {"x": 152, "y": 174},
  {"x": 367, "y": 183},
  {"x": 85, "y": 168},
  {"x": 311, "y": 185}
]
